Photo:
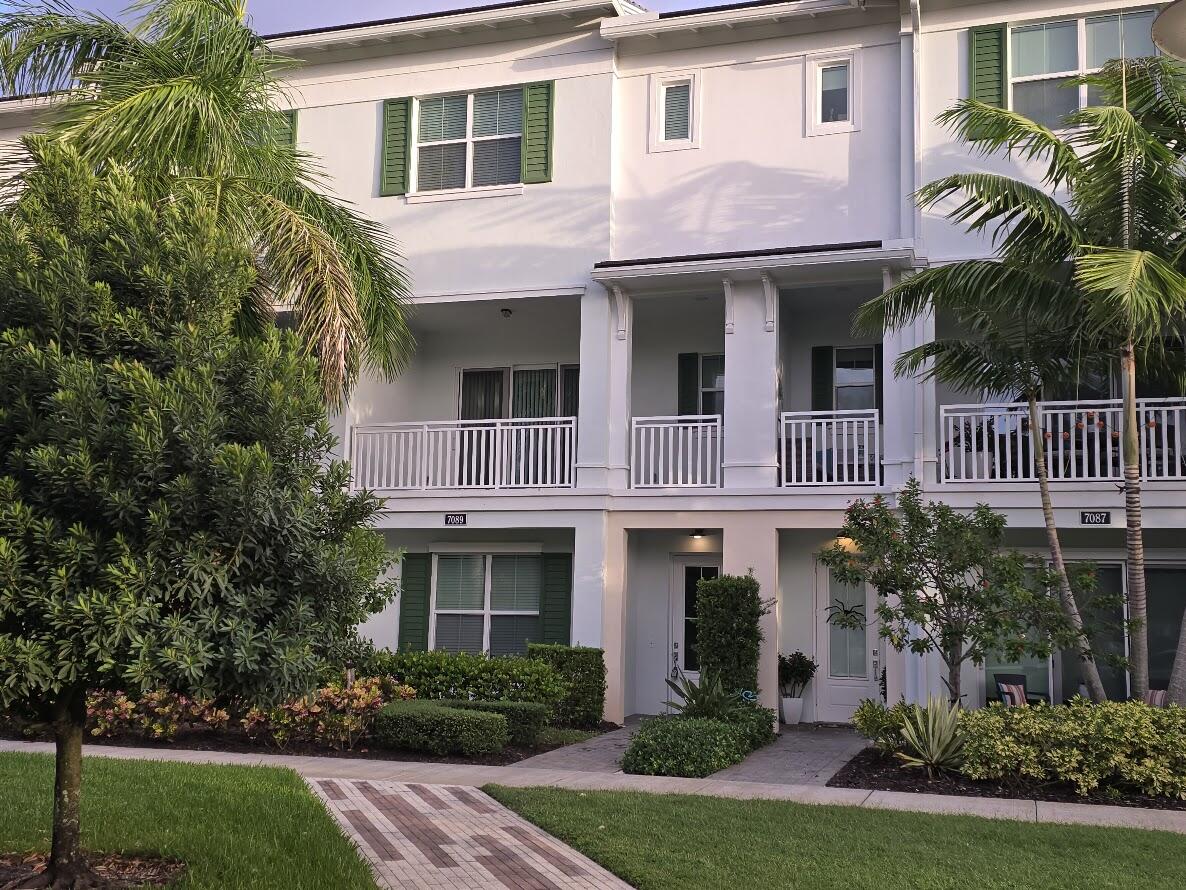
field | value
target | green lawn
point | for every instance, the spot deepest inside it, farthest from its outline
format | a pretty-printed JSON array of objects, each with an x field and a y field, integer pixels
[
  {"x": 659, "y": 841},
  {"x": 237, "y": 828}
]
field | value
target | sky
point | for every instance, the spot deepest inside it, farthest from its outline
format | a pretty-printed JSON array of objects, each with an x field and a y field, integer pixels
[{"x": 274, "y": 16}]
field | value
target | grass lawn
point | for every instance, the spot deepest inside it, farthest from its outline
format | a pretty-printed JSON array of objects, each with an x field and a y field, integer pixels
[
  {"x": 236, "y": 828},
  {"x": 680, "y": 841}
]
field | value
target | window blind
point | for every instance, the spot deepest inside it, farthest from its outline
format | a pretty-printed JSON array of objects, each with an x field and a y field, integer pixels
[{"x": 677, "y": 111}]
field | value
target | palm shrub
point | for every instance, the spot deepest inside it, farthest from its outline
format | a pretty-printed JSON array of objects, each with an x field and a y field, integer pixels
[
  {"x": 188, "y": 91},
  {"x": 931, "y": 736},
  {"x": 170, "y": 516},
  {"x": 1101, "y": 271},
  {"x": 794, "y": 673}
]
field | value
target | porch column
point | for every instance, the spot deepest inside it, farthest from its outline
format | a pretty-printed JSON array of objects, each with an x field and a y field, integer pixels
[
  {"x": 751, "y": 383},
  {"x": 603, "y": 424},
  {"x": 599, "y": 601},
  {"x": 751, "y": 544},
  {"x": 908, "y": 411}
]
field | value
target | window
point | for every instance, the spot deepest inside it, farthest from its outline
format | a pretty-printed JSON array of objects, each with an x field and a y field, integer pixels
[
  {"x": 856, "y": 378},
  {"x": 486, "y": 602},
  {"x": 523, "y": 391},
  {"x": 1044, "y": 58},
  {"x": 832, "y": 93},
  {"x": 470, "y": 140},
  {"x": 712, "y": 384},
  {"x": 847, "y": 646},
  {"x": 674, "y": 122}
]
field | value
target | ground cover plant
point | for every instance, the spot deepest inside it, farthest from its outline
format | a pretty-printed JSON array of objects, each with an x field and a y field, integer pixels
[
  {"x": 656, "y": 842},
  {"x": 234, "y": 828}
]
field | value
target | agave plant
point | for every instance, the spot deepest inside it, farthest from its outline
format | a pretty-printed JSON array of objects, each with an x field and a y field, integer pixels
[{"x": 932, "y": 737}]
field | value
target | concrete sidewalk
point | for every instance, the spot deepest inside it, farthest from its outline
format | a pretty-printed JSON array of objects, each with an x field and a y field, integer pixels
[{"x": 466, "y": 775}]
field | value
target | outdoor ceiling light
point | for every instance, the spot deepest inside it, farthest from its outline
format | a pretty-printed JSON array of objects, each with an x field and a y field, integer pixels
[{"x": 697, "y": 534}]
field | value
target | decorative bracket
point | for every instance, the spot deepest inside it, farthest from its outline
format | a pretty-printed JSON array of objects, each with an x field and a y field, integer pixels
[
  {"x": 728, "y": 284},
  {"x": 770, "y": 289},
  {"x": 621, "y": 311}
]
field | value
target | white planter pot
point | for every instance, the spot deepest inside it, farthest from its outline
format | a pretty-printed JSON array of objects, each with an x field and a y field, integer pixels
[{"x": 792, "y": 710}]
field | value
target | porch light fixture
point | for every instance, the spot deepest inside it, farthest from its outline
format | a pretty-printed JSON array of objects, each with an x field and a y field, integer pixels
[
  {"x": 697, "y": 534},
  {"x": 847, "y": 544},
  {"x": 506, "y": 313}
]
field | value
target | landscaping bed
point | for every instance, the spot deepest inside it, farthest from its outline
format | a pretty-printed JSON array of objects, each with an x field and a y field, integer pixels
[
  {"x": 874, "y": 771},
  {"x": 117, "y": 872}
]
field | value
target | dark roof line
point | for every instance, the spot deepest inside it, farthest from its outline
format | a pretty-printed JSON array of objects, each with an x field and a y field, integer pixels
[
  {"x": 741, "y": 254},
  {"x": 422, "y": 16},
  {"x": 725, "y": 7}
]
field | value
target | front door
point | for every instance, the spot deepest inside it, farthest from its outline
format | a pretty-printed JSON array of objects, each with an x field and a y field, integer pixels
[
  {"x": 686, "y": 575},
  {"x": 849, "y": 657}
]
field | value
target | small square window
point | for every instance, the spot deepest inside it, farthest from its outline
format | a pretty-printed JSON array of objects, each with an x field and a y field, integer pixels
[
  {"x": 833, "y": 104},
  {"x": 677, "y": 111},
  {"x": 832, "y": 85},
  {"x": 674, "y": 111}
]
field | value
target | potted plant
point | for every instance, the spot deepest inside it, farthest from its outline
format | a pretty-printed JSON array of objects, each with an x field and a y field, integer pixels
[{"x": 794, "y": 673}]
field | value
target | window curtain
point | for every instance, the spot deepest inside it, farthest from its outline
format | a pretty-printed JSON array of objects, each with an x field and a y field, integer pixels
[
  {"x": 534, "y": 392},
  {"x": 481, "y": 394}
]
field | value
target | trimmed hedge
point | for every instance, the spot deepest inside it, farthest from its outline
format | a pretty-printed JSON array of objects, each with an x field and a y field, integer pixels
[
  {"x": 729, "y": 609},
  {"x": 684, "y": 746},
  {"x": 525, "y": 719},
  {"x": 583, "y": 669},
  {"x": 756, "y": 723},
  {"x": 435, "y": 729},
  {"x": 441, "y": 675}
]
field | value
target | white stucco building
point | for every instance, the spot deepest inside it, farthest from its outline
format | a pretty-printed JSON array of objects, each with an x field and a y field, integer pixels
[{"x": 636, "y": 243}]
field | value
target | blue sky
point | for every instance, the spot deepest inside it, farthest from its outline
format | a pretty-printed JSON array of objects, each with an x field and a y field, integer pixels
[{"x": 271, "y": 16}]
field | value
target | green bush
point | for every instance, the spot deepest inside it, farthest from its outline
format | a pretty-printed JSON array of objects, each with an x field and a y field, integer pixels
[
  {"x": 525, "y": 719},
  {"x": 471, "y": 677},
  {"x": 756, "y": 723},
  {"x": 1125, "y": 746},
  {"x": 583, "y": 669},
  {"x": 435, "y": 729},
  {"x": 684, "y": 746},
  {"x": 881, "y": 725},
  {"x": 728, "y": 635}
]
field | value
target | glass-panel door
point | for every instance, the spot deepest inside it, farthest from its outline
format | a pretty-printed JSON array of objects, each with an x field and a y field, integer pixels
[
  {"x": 687, "y": 575},
  {"x": 1110, "y": 640},
  {"x": 846, "y": 647},
  {"x": 1166, "y": 591}
]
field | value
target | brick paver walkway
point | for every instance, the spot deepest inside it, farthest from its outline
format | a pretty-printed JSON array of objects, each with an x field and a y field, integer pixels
[
  {"x": 449, "y": 836},
  {"x": 807, "y": 754}
]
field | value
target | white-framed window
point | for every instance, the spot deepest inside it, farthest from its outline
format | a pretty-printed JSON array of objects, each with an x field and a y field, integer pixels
[
  {"x": 855, "y": 380},
  {"x": 675, "y": 111},
  {"x": 546, "y": 390},
  {"x": 1045, "y": 56},
  {"x": 485, "y": 602},
  {"x": 469, "y": 140},
  {"x": 833, "y": 83},
  {"x": 712, "y": 384}
]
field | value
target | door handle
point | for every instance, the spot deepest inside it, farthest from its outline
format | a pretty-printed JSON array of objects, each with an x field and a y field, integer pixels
[{"x": 675, "y": 661}]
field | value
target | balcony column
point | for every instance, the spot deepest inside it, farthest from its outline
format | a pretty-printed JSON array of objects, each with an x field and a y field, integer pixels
[
  {"x": 751, "y": 383},
  {"x": 603, "y": 427},
  {"x": 908, "y": 413}
]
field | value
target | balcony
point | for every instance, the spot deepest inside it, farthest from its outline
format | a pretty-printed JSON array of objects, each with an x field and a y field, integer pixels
[
  {"x": 991, "y": 443},
  {"x": 465, "y": 454},
  {"x": 676, "y": 452},
  {"x": 830, "y": 448}
]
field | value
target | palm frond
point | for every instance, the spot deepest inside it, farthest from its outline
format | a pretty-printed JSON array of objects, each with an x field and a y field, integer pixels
[{"x": 1133, "y": 292}]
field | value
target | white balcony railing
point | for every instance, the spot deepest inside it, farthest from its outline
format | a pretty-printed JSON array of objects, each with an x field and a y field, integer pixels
[
  {"x": 675, "y": 452},
  {"x": 830, "y": 447},
  {"x": 991, "y": 443},
  {"x": 516, "y": 453}
]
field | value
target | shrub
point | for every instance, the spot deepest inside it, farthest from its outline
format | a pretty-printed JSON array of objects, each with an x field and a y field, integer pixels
[
  {"x": 525, "y": 719},
  {"x": 336, "y": 716},
  {"x": 728, "y": 636},
  {"x": 439, "y": 675},
  {"x": 431, "y": 727},
  {"x": 582, "y": 668},
  {"x": 154, "y": 715},
  {"x": 880, "y": 725},
  {"x": 705, "y": 698},
  {"x": 1125, "y": 746},
  {"x": 684, "y": 746},
  {"x": 932, "y": 738},
  {"x": 756, "y": 723}
]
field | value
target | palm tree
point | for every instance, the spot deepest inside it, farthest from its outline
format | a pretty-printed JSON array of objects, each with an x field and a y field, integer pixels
[
  {"x": 1008, "y": 345},
  {"x": 190, "y": 93},
  {"x": 1120, "y": 228}
]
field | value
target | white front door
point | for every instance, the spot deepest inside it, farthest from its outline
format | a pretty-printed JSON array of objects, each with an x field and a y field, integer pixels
[
  {"x": 849, "y": 658},
  {"x": 686, "y": 574}
]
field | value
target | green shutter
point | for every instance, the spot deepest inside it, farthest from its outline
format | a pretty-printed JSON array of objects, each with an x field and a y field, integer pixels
[
  {"x": 396, "y": 159},
  {"x": 555, "y": 610},
  {"x": 823, "y": 369},
  {"x": 988, "y": 64},
  {"x": 415, "y": 577},
  {"x": 688, "y": 385},
  {"x": 287, "y": 128},
  {"x": 538, "y": 122},
  {"x": 878, "y": 360}
]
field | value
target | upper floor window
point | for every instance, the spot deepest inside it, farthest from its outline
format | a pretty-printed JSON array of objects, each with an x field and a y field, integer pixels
[
  {"x": 712, "y": 384},
  {"x": 832, "y": 83},
  {"x": 1045, "y": 57},
  {"x": 675, "y": 111},
  {"x": 470, "y": 140},
  {"x": 856, "y": 378}
]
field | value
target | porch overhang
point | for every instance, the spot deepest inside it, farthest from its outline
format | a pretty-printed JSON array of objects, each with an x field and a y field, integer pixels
[{"x": 784, "y": 266}]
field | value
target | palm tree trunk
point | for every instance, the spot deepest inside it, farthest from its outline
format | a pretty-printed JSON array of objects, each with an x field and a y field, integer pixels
[
  {"x": 1134, "y": 545},
  {"x": 1091, "y": 672}
]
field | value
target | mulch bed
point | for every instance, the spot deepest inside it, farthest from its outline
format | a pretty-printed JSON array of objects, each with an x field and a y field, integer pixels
[
  {"x": 117, "y": 872},
  {"x": 237, "y": 741},
  {"x": 876, "y": 772}
]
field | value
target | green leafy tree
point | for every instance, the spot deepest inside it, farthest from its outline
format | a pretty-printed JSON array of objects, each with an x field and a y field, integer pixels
[
  {"x": 189, "y": 91},
  {"x": 169, "y": 513},
  {"x": 944, "y": 584},
  {"x": 1102, "y": 240}
]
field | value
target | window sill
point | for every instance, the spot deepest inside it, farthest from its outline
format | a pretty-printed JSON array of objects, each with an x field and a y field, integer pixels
[
  {"x": 674, "y": 145},
  {"x": 489, "y": 191},
  {"x": 831, "y": 129}
]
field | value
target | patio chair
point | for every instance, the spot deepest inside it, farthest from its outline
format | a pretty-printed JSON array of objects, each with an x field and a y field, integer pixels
[
  {"x": 1013, "y": 692},
  {"x": 1157, "y": 698}
]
